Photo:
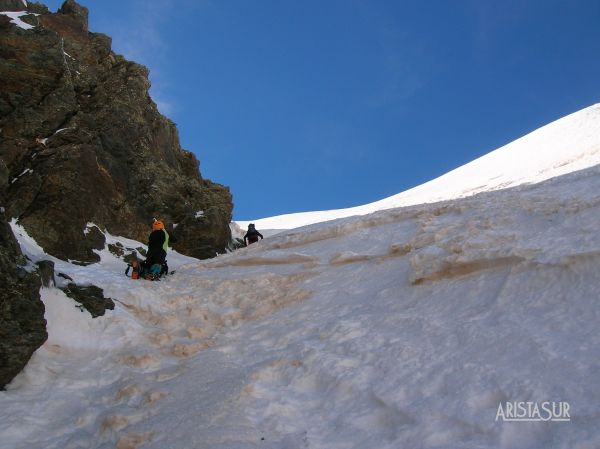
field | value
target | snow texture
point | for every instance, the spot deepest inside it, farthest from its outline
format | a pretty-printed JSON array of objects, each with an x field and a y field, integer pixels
[{"x": 403, "y": 328}]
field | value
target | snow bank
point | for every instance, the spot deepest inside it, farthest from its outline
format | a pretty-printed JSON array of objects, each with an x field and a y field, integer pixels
[{"x": 15, "y": 18}]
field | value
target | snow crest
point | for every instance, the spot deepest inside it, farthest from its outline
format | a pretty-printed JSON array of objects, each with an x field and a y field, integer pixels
[{"x": 569, "y": 144}]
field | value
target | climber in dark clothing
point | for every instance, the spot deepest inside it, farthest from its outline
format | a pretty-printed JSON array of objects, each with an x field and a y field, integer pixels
[
  {"x": 158, "y": 242},
  {"x": 252, "y": 235}
]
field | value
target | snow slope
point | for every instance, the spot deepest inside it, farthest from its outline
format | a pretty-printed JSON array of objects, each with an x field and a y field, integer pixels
[
  {"x": 405, "y": 328},
  {"x": 569, "y": 144}
]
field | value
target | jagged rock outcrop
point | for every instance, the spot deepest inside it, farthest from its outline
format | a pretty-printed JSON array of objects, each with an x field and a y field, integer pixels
[
  {"x": 81, "y": 141},
  {"x": 45, "y": 269},
  {"x": 12, "y": 5},
  {"x": 90, "y": 298},
  {"x": 22, "y": 323}
]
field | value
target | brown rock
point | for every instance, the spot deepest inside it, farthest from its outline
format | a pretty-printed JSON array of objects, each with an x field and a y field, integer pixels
[
  {"x": 82, "y": 141},
  {"x": 90, "y": 298},
  {"x": 12, "y": 5},
  {"x": 22, "y": 323}
]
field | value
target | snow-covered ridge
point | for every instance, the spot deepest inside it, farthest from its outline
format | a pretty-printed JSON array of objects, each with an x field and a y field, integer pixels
[{"x": 569, "y": 144}]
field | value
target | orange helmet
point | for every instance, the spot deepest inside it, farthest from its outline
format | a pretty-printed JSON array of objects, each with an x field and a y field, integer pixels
[{"x": 157, "y": 225}]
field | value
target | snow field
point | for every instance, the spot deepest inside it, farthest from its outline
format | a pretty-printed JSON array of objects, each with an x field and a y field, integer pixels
[
  {"x": 419, "y": 349},
  {"x": 403, "y": 328}
]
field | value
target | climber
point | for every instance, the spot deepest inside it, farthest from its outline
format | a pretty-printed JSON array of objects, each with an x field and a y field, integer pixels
[
  {"x": 158, "y": 242},
  {"x": 252, "y": 235}
]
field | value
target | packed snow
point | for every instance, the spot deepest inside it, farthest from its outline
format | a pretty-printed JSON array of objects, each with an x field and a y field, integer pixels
[
  {"x": 403, "y": 328},
  {"x": 569, "y": 144},
  {"x": 15, "y": 18}
]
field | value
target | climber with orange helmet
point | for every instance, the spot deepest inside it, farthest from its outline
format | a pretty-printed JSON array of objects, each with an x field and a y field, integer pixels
[{"x": 158, "y": 242}]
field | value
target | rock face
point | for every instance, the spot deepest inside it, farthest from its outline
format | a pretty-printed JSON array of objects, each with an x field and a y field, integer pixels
[
  {"x": 90, "y": 297},
  {"x": 12, "y": 5},
  {"x": 82, "y": 141},
  {"x": 22, "y": 323}
]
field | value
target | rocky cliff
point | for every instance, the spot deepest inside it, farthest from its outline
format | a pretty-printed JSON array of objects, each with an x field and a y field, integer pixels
[
  {"x": 22, "y": 323},
  {"x": 81, "y": 141}
]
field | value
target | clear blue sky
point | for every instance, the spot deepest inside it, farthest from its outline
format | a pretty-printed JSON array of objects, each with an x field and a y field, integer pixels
[{"x": 310, "y": 105}]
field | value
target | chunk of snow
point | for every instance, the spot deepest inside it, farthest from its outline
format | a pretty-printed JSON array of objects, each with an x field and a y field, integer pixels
[
  {"x": 88, "y": 228},
  {"x": 15, "y": 18},
  {"x": 26, "y": 171},
  {"x": 29, "y": 247},
  {"x": 199, "y": 214},
  {"x": 236, "y": 231}
]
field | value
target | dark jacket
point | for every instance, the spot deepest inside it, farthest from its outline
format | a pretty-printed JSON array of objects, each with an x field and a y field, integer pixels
[
  {"x": 252, "y": 236},
  {"x": 156, "y": 252}
]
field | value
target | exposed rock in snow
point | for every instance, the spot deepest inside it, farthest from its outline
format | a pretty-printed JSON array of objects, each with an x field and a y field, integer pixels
[{"x": 90, "y": 297}]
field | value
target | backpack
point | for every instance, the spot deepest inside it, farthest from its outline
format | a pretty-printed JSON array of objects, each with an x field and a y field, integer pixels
[
  {"x": 135, "y": 268},
  {"x": 142, "y": 271},
  {"x": 154, "y": 272}
]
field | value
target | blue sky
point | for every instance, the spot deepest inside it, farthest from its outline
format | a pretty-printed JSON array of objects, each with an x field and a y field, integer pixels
[{"x": 311, "y": 105}]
